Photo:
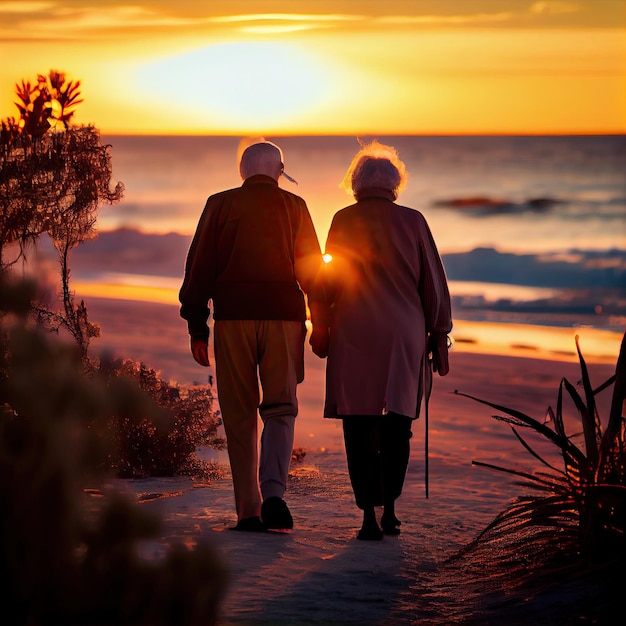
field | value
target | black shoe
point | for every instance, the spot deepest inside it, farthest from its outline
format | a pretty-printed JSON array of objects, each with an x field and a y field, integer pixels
[
  {"x": 251, "y": 525},
  {"x": 390, "y": 524},
  {"x": 275, "y": 514},
  {"x": 370, "y": 533}
]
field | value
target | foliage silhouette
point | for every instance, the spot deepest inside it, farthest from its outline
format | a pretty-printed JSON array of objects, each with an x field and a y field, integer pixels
[
  {"x": 53, "y": 182},
  {"x": 165, "y": 444},
  {"x": 71, "y": 546},
  {"x": 581, "y": 507},
  {"x": 53, "y": 179}
]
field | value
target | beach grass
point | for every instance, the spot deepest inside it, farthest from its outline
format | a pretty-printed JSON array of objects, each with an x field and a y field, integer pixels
[{"x": 568, "y": 530}]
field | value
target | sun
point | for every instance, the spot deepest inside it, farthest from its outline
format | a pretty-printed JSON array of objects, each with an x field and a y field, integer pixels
[{"x": 245, "y": 85}]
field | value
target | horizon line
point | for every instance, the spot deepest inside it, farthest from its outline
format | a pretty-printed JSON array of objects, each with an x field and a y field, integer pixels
[{"x": 616, "y": 133}]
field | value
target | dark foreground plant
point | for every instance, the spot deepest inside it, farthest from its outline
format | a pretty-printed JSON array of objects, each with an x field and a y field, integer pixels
[
  {"x": 165, "y": 444},
  {"x": 66, "y": 556},
  {"x": 581, "y": 506}
]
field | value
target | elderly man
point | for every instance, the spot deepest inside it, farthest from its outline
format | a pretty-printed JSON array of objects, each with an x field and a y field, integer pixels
[{"x": 255, "y": 254}]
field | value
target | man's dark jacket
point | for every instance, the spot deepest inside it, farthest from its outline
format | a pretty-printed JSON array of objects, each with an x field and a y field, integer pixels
[{"x": 254, "y": 253}]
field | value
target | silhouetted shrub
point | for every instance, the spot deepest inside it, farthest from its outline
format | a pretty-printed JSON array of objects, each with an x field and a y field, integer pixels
[
  {"x": 54, "y": 176},
  {"x": 163, "y": 443},
  {"x": 67, "y": 556}
]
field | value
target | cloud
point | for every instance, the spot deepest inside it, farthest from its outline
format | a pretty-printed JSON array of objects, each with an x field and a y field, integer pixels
[
  {"x": 55, "y": 20},
  {"x": 24, "y": 6},
  {"x": 69, "y": 21},
  {"x": 276, "y": 23},
  {"x": 554, "y": 7},
  {"x": 45, "y": 17},
  {"x": 447, "y": 20},
  {"x": 34, "y": 19},
  {"x": 287, "y": 17}
]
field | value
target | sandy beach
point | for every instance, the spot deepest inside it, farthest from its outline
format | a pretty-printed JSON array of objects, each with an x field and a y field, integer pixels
[{"x": 319, "y": 573}]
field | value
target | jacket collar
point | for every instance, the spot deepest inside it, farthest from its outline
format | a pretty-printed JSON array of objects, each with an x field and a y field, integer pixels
[
  {"x": 260, "y": 178},
  {"x": 374, "y": 192}
]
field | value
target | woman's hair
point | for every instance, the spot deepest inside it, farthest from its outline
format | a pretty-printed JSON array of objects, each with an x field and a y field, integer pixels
[{"x": 375, "y": 165}]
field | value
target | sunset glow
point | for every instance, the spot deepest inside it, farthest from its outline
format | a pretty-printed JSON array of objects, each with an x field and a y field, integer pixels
[
  {"x": 522, "y": 340},
  {"x": 123, "y": 291},
  {"x": 341, "y": 67},
  {"x": 246, "y": 84},
  {"x": 535, "y": 342}
]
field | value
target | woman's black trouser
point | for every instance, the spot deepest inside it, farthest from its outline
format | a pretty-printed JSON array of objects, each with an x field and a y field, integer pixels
[{"x": 377, "y": 450}]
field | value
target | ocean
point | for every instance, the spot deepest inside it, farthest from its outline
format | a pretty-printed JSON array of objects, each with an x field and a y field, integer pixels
[
  {"x": 531, "y": 229},
  {"x": 518, "y": 194}
]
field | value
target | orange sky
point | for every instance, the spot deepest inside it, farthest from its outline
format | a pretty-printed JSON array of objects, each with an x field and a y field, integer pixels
[{"x": 318, "y": 67}]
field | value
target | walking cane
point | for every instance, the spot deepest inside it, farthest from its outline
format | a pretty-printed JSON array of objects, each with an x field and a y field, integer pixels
[{"x": 427, "y": 380}]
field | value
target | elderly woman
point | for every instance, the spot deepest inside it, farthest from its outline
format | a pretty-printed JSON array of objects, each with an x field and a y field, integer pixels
[{"x": 387, "y": 307}]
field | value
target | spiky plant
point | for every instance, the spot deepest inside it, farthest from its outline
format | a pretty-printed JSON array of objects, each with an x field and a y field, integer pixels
[{"x": 581, "y": 505}]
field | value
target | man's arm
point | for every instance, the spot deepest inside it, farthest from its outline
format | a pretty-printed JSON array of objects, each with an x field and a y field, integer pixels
[{"x": 197, "y": 287}]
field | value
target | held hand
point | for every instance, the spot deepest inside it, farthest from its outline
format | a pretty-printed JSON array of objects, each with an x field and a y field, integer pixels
[
  {"x": 440, "y": 360},
  {"x": 438, "y": 347},
  {"x": 319, "y": 341},
  {"x": 200, "y": 351}
]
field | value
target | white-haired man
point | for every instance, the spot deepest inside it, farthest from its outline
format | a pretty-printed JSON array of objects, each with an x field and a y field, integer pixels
[{"x": 255, "y": 254}]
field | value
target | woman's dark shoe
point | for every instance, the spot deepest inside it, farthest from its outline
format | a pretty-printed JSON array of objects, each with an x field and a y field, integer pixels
[
  {"x": 275, "y": 514},
  {"x": 251, "y": 525},
  {"x": 370, "y": 533},
  {"x": 390, "y": 524}
]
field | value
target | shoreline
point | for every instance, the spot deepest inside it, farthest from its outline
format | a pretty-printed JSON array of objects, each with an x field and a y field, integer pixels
[{"x": 160, "y": 322}]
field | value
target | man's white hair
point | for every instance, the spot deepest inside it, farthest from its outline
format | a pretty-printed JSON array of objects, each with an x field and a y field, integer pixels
[{"x": 263, "y": 157}]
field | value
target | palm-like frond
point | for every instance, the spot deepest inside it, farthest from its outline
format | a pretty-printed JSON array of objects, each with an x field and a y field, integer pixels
[
  {"x": 48, "y": 102},
  {"x": 585, "y": 500},
  {"x": 533, "y": 453},
  {"x": 67, "y": 95},
  {"x": 571, "y": 454}
]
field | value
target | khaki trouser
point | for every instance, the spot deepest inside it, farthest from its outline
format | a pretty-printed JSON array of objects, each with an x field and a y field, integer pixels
[{"x": 250, "y": 354}]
